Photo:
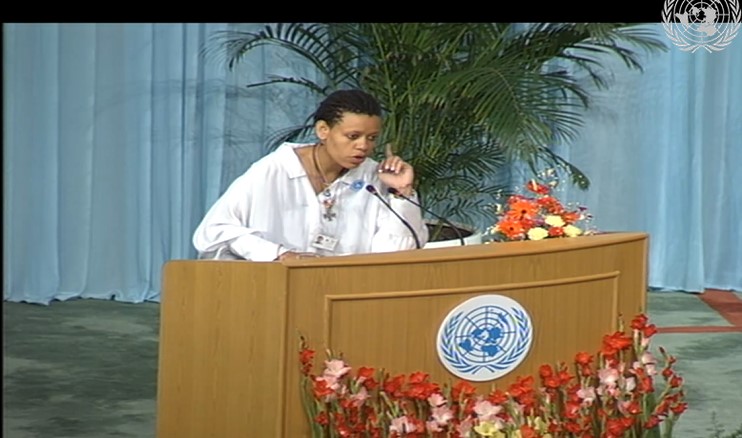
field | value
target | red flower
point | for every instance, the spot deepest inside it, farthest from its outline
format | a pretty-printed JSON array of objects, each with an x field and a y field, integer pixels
[
  {"x": 321, "y": 390},
  {"x": 649, "y": 330},
  {"x": 421, "y": 391},
  {"x": 521, "y": 386},
  {"x": 572, "y": 427},
  {"x": 633, "y": 408},
  {"x": 556, "y": 232},
  {"x": 572, "y": 410},
  {"x": 365, "y": 373},
  {"x": 322, "y": 418},
  {"x": 679, "y": 408},
  {"x": 639, "y": 322},
  {"x": 616, "y": 427},
  {"x": 512, "y": 228},
  {"x": 528, "y": 432},
  {"x": 652, "y": 422},
  {"x": 418, "y": 377},
  {"x": 393, "y": 387},
  {"x": 570, "y": 217},
  {"x": 564, "y": 377},
  {"x": 551, "y": 382},
  {"x": 583, "y": 358},
  {"x": 365, "y": 377},
  {"x": 545, "y": 371},
  {"x": 646, "y": 385},
  {"x": 497, "y": 397},
  {"x": 550, "y": 204},
  {"x": 616, "y": 342},
  {"x": 676, "y": 381},
  {"x": 305, "y": 358},
  {"x": 535, "y": 187},
  {"x": 523, "y": 208},
  {"x": 667, "y": 373},
  {"x": 462, "y": 390}
]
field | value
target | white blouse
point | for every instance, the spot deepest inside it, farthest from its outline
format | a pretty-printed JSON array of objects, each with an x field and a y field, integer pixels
[{"x": 272, "y": 208}]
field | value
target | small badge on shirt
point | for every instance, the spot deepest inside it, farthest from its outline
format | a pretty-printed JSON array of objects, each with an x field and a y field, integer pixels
[{"x": 324, "y": 242}]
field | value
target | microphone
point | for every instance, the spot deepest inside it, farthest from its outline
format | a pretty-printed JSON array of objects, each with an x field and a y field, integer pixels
[
  {"x": 371, "y": 189},
  {"x": 396, "y": 192}
]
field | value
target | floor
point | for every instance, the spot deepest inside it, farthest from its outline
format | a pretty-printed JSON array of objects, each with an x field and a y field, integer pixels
[{"x": 88, "y": 368}]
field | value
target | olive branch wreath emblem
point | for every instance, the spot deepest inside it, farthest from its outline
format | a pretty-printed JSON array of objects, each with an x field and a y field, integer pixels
[
  {"x": 451, "y": 354},
  {"x": 676, "y": 35}
]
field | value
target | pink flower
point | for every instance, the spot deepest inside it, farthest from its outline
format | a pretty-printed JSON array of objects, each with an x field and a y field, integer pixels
[
  {"x": 608, "y": 377},
  {"x": 486, "y": 411},
  {"x": 332, "y": 384},
  {"x": 623, "y": 407},
  {"x": 401, "y": 425},
  {"x": 649, "y": 362},
  {"x": 335, "y": 368},
  {"x": 331, "y": 381},
  {"x": 464, "y": 428},
  {"x": 587, "y": 395},
  {"x": 360, "y": 397},
  {"x": 629, "y": 384},
  {"x": 433, "y": 426},
  {"x": 436, "y": 400},
  {"x": 442, "y": 415}
]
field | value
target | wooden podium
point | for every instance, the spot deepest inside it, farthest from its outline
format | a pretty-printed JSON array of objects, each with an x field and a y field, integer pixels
[{"x": 229, "y": 330}]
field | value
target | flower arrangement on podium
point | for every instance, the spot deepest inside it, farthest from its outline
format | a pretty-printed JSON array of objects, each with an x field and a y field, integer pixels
[
  {"x": 610, "y": 394},
  {"x": 538, "y": 214}
]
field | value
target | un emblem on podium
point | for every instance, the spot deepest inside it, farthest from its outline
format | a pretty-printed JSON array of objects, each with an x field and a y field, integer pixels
[{"x": 484, "y": 338}]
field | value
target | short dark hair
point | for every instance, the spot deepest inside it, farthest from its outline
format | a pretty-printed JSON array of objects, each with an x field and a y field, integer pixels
[{"x": 331, "y": 109}]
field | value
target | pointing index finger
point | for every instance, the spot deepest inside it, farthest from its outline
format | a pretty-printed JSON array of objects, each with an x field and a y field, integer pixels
[{"x": 389, "y": 152}]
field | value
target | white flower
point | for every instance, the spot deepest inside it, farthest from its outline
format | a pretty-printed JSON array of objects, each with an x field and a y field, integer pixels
[
  {"x": 554, "y": 220},
  {"x": 572, "y": 231},
  {"x": 537, "y": 233}
]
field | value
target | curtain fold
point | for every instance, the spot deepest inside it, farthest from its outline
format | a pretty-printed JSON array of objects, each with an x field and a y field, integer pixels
[
  {"x": 663, "y": 150},
  {"x": 107, "y": 169}
]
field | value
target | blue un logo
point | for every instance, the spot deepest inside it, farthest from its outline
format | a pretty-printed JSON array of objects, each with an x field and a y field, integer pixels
[{"x": 485, "y": 338}]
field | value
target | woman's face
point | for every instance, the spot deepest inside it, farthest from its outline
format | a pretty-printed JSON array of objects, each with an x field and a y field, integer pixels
[{"x": 350, "y": 140}]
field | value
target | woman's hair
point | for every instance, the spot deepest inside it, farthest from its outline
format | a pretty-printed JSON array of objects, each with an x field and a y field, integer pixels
[{"x": 332, "y": 108}]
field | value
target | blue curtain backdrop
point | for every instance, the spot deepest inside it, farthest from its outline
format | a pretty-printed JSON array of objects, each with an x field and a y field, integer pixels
[
  {"x": 663, "y": 149},
  {"x": 118, "y": 137}
]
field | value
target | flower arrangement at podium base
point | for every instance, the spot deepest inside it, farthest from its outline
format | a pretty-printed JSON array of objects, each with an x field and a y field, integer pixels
[{"x": 607, "y": 395}]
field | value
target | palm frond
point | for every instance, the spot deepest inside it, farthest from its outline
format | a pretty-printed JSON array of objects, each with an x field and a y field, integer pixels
[
  {"x": 303, "y": 82},
  {"x": 461, "y": 100},
  {"x": 290, "y": 134}
]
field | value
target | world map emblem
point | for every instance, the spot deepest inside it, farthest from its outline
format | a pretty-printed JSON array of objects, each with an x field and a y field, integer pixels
[
  {"x": 484, "y": 338},
  {"x": 707, "y": 24}
]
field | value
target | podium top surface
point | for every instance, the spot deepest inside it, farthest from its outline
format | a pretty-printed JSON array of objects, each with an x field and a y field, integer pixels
[{"x": 454, "y": 253}]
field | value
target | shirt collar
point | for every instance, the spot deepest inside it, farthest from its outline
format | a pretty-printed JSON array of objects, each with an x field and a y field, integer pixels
[{"x": 291, "y": 160}]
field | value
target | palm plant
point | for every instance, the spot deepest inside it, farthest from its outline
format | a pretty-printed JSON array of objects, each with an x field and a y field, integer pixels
[{"x": 461, "y": 100}]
